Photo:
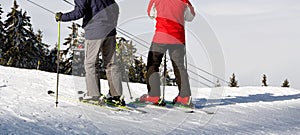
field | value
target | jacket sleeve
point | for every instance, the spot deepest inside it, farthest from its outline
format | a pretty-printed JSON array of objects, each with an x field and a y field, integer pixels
[
  {"x": 77, "y": 13},
  {"x": 151, "y": 10},
  {"x": 189, "y": 14}
]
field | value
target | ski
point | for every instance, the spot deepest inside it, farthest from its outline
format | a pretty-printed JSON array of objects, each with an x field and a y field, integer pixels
[
  {"x": 192, "y": 109},
  {"x": 169, "y": 106},
  {"x": 100, "y": 105}
]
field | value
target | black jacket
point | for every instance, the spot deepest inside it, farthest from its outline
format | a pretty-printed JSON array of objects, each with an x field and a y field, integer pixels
[{"x": 99, "y": 17}]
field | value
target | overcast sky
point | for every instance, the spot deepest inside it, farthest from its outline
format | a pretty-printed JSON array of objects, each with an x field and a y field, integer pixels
[{"x": 256, "y": 36}]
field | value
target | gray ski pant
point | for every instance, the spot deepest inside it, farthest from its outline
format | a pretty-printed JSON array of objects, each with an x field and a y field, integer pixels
[{"x": 107, "y": 47}]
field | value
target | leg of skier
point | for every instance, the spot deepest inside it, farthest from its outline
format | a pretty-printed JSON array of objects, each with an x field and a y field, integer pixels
[
  {"x": 155, "y": 56},
  {"x": 92, "y": 50},
  {"x": 177, "y": 54},
  {"x": 113, "y": 71}
]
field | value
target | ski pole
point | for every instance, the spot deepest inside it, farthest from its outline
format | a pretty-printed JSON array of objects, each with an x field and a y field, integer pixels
[
  {"x": 58, "y": 50},
  {"x": 165, "y": 72},
  {"x": 68, "y": 2},
  {"x": 120, "y": 52},
  {"x": 58, "y": 59}
]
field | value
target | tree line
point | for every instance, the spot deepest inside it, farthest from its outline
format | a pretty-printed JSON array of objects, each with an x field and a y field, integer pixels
[
  {"x": 21, "y": 47},
  {"x": 233, "y": 82}
]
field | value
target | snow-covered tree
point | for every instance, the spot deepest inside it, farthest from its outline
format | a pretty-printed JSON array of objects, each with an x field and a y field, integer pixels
[
  {"x": 137, "y": 71},
  {"x": 67, "y": 55},
  {"x": 286, "y": 84},
  {"x": 143, "y": 71},
  {"x": 126, "y": 53},
  {"x": 264, "y": 80},
  {"x": 165, "y": 74},
  {"x": 43, "y": 52},
  {"x": 50, "y": 63},
  {"x": 233, "y": 82},
  {"x": 218, "y": 84},
  {"x": 2, "y": 34},
  {"x": 21, "y": 48}
]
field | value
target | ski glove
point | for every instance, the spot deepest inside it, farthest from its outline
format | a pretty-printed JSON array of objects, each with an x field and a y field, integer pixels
[{"x": 58, "y": 16}]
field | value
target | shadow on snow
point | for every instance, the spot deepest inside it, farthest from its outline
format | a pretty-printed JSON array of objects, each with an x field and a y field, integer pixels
[{"x": 267, "y": 97}]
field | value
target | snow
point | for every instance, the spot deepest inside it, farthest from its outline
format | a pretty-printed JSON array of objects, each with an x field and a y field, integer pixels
[{"x": 26, "y": 108}]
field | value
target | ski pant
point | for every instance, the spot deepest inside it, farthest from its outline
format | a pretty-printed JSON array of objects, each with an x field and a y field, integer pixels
[
  {"x": 177, "y": 54},
  {"x": 107, "y": 47}
]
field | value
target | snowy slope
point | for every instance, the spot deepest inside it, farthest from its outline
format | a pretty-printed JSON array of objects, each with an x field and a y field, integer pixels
[{"x": 25, "y": 108}]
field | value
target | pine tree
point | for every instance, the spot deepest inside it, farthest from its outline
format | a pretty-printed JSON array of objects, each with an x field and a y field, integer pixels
[
  {"x": 20, "y": 50},
  {"x": 233, "y": 82},
  {"x": 286, "y": 84},
  {"x": 43, "y": 51},
  {"x": 218, "y": 84},
  {"x": 50, "y": 62},
  {"x": 140, "y": 69},
  {"x": 264, "y": 80},
  {"x": 78, "y": 59},
  {"x": 2, "y": 34},
  {"x": 143, "y": 71},
  {"x": 67, "y": 54},
  {"x": 164, "y": 76},
  {"x": 131, "y": 74},
  {"x": 126, "y": 53},
  {"x": 168, "y": 78}
]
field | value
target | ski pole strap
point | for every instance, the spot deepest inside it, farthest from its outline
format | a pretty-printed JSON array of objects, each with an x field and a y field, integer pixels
[
  {"x": 58, "y": 42},
  {"x": 118, "y": 48}
]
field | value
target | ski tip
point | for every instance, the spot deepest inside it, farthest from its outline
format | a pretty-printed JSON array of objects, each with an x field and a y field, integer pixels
[
  {"x": 192, "y": 111},
  {"x": 210, "y": 112},
  {"x": 50, "y": 92},
  {"x": 80, "y": 92},
  {"x": 137, "y": 100}
]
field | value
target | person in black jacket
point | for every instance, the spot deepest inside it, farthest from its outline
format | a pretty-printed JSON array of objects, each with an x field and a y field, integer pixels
[{"x": 99, "y": 22}]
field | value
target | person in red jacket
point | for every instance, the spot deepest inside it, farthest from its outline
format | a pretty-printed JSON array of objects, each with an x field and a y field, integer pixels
[{"x": 170, "y": 17}]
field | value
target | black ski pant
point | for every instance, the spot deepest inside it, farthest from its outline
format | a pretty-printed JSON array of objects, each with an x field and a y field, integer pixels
[{"x": 177, "y": 54}]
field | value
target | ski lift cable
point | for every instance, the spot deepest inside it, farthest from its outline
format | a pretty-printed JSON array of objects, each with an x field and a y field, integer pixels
[
  {"x": 41, "y": 6},
  {"x": 127, "y": 35},
  {"x": 131, "y": 36},
  {"x": 209, "y": 73},
  {"x": 203, "y": 77},
  {"x": 200, "y": 82}
]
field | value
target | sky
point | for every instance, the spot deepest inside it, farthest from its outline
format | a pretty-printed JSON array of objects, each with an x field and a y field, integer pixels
[{"x": 251, "y": 37}]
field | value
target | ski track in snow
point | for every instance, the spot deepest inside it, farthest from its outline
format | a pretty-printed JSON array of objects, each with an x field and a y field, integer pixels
[{"x": 26, "y": 108}]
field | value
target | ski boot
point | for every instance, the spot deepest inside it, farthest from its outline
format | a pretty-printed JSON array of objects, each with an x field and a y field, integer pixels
[{"x": 115, "y": 101}]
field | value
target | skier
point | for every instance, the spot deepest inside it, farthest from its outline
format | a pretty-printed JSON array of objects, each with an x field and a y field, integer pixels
[
  {"x": 99, "y": 22},
  {"x": 170, "y": 16}
]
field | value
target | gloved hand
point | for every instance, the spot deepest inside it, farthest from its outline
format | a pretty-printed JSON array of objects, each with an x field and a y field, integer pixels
[{"x": 58, "y": 16}]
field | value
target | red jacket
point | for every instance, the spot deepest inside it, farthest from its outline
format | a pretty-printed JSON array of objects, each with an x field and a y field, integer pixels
[{"x": 170, "y": 16}]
